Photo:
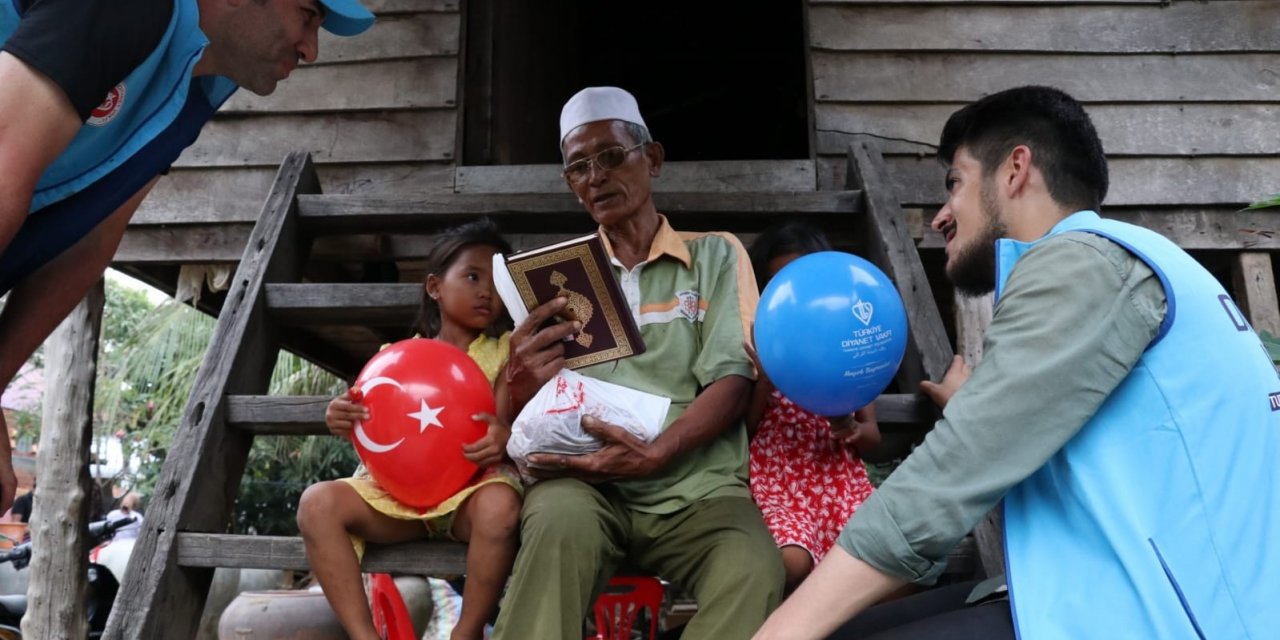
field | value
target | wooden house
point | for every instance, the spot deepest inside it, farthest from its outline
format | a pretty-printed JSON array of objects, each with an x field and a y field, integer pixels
[{"x": 448, "y": 108}]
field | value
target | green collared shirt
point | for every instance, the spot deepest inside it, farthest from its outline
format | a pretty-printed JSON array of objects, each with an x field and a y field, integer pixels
[
  {"x": 694, "y": 298},
  {"x": 1077, "y": 314}
]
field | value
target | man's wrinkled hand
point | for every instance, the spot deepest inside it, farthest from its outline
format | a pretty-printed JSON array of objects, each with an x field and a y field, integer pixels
[
  {"x": 622, "y": 456},
  {"x": 537, "y": 352}
]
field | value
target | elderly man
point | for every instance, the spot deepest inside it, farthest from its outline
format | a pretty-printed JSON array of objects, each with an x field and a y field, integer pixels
[
  {"x": 99, "y": 97},
  {"x": 1124, "y": 409},
  {"x": 679, "y": 507}
]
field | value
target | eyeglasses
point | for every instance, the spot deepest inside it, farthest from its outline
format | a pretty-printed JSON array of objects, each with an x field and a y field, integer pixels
[{"x": 607, "y": 160}]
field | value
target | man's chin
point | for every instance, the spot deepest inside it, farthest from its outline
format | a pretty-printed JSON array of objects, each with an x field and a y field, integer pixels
[{"x": 972, "y": 282}]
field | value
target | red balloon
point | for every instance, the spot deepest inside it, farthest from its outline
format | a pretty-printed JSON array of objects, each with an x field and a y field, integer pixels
[{"x": 421, "y": 395}]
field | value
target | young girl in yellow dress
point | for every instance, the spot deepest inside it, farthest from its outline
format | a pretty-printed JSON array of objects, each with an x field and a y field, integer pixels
[{"x": 459, "y": 306}]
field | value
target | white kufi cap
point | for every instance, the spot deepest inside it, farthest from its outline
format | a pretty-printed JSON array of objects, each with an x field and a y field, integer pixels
[{"x": 594, "y": 104}]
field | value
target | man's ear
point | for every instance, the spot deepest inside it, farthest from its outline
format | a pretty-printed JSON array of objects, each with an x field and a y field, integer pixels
[
  {"x": 1015, "y": 175},
  {"x": 655, "y": 154}
]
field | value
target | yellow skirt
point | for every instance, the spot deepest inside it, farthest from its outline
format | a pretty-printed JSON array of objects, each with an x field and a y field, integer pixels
[{"x": 438, "y": 520}]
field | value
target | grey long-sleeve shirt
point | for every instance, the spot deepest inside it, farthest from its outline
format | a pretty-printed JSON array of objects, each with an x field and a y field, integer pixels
[{"x": 1077, "y": 312}]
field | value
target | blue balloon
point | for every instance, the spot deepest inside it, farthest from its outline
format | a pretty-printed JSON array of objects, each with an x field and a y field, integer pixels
[{"x": 830, "y": 332}]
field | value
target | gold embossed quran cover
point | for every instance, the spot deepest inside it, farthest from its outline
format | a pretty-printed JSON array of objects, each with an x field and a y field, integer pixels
[{"x": 579, "y": 270}]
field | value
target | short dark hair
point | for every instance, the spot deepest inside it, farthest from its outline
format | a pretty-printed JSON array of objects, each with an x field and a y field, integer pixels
[
  {"x": 445, "y": 247},
  {"x": 781, "y": 239},
  {"x": 1064, "y": 144}
]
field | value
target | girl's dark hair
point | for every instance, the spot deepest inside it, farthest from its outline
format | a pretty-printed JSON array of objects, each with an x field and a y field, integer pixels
[
  {"x": 788, "y": 237},
  {"x": 445, "y": 247}
]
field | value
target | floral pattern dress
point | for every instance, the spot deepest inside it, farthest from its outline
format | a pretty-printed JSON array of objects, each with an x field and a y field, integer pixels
[{"x": 806, "y": 484}]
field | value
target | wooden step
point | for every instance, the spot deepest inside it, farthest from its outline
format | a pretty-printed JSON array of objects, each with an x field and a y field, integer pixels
[
  {"x": 304, "y": 415},
  {"x": 366, "y": 304},
  {"x": 561, "y": 212},
  {"x": 429, "y": 558}
]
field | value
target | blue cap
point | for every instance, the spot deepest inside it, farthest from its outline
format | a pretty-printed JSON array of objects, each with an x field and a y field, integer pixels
[{"x": 346, "y": 17}]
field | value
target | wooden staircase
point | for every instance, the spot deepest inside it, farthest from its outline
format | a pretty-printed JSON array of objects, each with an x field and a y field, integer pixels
[{"x": 276, "y": 301}]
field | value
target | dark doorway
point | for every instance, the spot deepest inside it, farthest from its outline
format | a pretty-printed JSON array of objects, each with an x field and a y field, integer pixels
[{"x": 715, "y": 80}]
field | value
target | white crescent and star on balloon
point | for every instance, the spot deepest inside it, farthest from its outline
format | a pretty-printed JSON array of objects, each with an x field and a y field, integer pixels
[{"x": 425, "y": 415}]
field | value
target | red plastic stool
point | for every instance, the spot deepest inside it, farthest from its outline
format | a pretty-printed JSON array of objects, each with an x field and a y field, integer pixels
[
  {"x": 618, "y": 607},
  {"x": 390, "y": 616}
]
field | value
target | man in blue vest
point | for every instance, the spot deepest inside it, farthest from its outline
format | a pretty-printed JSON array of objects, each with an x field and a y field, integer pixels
[
  {"x": 97, "y": 99},
  {"x": 1124, "y": 410}
]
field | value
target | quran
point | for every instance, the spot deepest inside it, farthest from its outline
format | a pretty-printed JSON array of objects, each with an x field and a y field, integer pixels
[{"x": 578, "y": 270}]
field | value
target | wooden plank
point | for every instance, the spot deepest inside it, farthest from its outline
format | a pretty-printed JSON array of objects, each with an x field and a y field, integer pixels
[
  {"x": 1255, "y": 290},
  {"x": 384, "y": 7},
  {"x": 965, "y": 77},
  {"x": 331, "y": 303},
  {"x": 1194, "y": 229},
  {"x": 199, "y": 480},
  {"x": 235, "y": 194},
  {"x": 890, "y": 246},
  {"x": 556, "y": 212},
  {"x": 1126, "y": 129},
  {"x": 1181, "y": 27},
  {"x": 56, "y": 608},
  {"x": 409, "y": 35},
  {"x": 709, "y": 176},
  {"x": 417, "y": 83},
  {"x": 1227, "y": 181},
  {"x": 304, "y": 415},
  {"x": 975, "y": 2},
  {"x": 430, "y": 558},
  {"x": 277, "y": 415},
  {"x": 398, "y": 136},
  {"x": 187, "y": 244}
]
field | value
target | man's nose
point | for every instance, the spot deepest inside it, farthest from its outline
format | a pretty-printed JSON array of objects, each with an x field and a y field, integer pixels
[
  {"x": 943, "y": 217},
  {"x": 309, "y": 48}
]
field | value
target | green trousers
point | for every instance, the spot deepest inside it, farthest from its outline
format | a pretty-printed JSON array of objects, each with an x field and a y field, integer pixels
[{"x": 574, "y": 535}]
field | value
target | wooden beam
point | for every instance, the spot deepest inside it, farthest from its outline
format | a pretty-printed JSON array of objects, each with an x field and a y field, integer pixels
[
  {"x": 414, "y": 83},
  {"x": 330, "y": 303},
  {"x": 706, "y": 176},
  {"x": 234, "y": 194},
  {"x": 304, "y": 415},
  {"x": 56, "y": 608},
  {"x": 966, "y": 77},
  {"x": 429, "y": 558},
  {"x": 187, "y": 244},
  {"x": 261, "y": 140},
  {"x": 1180, "y": 28},
  {"x": 1255, "y": 290},
  {"x": 1232, "y": 181},
  {"x": 560, "y": 212},
  {"x": 407, "y": 35},
  {"x": 890, "y": 245},
  {"x": 1183, "y": 129},
  {"x": 385, "y": 7},
  {"x": 199, "y": 480}
]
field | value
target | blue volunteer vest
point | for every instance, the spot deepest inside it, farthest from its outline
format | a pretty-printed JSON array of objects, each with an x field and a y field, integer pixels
[
  {"x": 1161, "y": 517},
  {"x": 139, "y": 130}
]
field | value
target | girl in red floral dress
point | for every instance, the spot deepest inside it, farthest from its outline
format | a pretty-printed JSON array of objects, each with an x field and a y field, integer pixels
[{"x": 806, "y": 473}]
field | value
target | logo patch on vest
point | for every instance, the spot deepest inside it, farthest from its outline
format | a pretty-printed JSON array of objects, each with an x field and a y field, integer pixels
[
  {"x": 1275, "y": 401},
  {"x": 688, "y": 304},
  {"x": 106, "y": 112}
]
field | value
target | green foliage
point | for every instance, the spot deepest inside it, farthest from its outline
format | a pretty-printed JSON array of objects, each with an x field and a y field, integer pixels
[
  {"x": 1273, "y": 201},
  {"x": 148, "y": 365},
  {"x": 1272, "y": 343}
]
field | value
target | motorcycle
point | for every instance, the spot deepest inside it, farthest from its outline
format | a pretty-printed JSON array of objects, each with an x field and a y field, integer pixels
[{"x": 100, "y": 595}]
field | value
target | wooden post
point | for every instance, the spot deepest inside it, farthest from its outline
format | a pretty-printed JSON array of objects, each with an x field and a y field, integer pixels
[
  {"x": 1255, "y": 289},
  {"x": 973, "y": 316},
  {"x": 59, "y": 558},
  {"x": 201, "y": 474},
  {"x": 891, "y": 247}
]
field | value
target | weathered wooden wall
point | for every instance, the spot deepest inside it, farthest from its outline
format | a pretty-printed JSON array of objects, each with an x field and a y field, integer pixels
[
  {"x": 1185, "y": 94},
  {"x": 378, "y": 113}
]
